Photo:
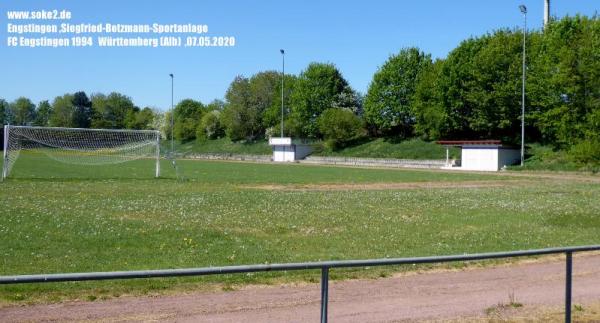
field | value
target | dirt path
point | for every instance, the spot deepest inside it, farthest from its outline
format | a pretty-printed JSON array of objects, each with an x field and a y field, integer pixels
[
  {"x": 566, "y": 176},
  {"x": 387, "y": 186},
  {"x": 425, "y": 296},
  {"x": 517, "y": 179}
]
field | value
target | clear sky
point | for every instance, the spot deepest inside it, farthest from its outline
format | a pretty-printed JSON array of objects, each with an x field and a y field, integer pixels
[{"x": 357, "y": 36}]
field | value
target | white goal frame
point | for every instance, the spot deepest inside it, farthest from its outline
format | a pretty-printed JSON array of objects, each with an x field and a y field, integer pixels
[{"x": 151, "y": 138}]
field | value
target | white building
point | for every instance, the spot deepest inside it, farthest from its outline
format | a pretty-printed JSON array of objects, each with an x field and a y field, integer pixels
[
  {"x": 285, "y": 151},
  {"x": 485, "y": 155}
]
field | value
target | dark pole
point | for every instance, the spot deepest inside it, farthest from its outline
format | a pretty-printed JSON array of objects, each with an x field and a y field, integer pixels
[
  {"x": 282, "y": 78},
  {"x": 524, "y": 11},
  {"x": 172, "y": 115},
  {"x": 324, "y": 293},
  {"x": 568, "y": 286}
]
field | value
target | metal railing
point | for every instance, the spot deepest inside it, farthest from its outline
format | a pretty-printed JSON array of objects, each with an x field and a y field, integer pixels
[
  {"x": 383, "y": 162},
  {"x": 324, "y": 266}
]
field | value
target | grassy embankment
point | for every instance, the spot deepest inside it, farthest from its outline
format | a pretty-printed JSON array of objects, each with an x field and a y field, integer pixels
[
  {"x": 377, "y": 148},
  {"x": 538, "y": 157}
]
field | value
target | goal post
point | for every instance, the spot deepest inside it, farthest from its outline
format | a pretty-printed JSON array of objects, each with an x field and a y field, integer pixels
[
  {"x": 5, "y": 153},
  {"x": 79, "y": 146}
]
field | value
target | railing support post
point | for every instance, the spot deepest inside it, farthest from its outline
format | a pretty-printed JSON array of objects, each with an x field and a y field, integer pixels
[
  {"x": 324, "y": 293},
  {"x": 568, "y": 286}
]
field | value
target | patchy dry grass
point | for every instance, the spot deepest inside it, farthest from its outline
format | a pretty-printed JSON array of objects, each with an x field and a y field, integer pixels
[
  {"x": 507, "y": 313},
  {"x": 389, "y": 186},
  {"x": 57, "y": 218}
]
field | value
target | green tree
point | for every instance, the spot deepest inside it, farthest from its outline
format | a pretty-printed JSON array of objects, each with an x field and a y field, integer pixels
[
  {"x": 593, "y": 124},
  {"x": 143, "y": 119},
  {"x": 166, "y": 127},
  {"x": 248, "y": 101},
  {"x": 455, "y": 81},
  {"x": 237, "y": 111},
  {"x": 494, "y": 87},
  {"x": 564, "y": 84},
  {"x": 103, "y": 116},
  {"x": 130, "y": 116},
  {"x": 82, "y": 113},
  {"x": 120, "y": 105},
  {"x": 264, "y": 90},
  {"x": 187, "y": 118},
  {"x": 317, "y": 89},
  {"x": 43, "y": 113},
  {"x": 215, "y": 105},
  {"x": 210, "y": 126},
  {"x": 479, "y": 89},
  {"x": 62, "y": 111},
  {"x": 4, "y": 113},
  {"x": 428, "y": 103},
  {"x": 3, "y": 118},
  {"x": 111, "y": 111},
  {"x": 350, "y": 100},
  {"x": 499, "y": 85},
  {"x": 272, "y": 115},
  {"x": 388, "y": 103},
  {"x": 23, "y": 111}
]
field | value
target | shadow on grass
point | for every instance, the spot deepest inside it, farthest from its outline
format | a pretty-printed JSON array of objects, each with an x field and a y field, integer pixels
[{"x": 86, "y": 179}]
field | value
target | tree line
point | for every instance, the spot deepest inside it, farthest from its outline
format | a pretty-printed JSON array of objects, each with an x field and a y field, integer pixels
[
  {"x": 77, "y": 110},
  {"x": 473, "y": 93}
]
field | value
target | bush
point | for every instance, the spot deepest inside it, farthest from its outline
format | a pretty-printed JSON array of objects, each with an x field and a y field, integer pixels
[
  {"x": 339, "y": 126},
  {"x": 185, "y": 130},
  {"x": 188, "y": 114},
  {"x": 539, "y": 157},
  {"x": 291, "y": 128},
  {"x": 586, "y": 152}
]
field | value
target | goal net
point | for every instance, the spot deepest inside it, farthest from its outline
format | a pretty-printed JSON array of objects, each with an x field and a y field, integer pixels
[{"x": 80, "y": 146}]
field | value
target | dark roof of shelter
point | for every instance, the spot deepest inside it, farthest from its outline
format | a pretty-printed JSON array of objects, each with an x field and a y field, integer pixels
[{"x": 469, "y": 142}]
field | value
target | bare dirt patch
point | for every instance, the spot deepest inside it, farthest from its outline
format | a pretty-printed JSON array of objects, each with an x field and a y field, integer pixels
[
  {"x": 561, "y": 176},
  {"x": 386, "y": 186}
]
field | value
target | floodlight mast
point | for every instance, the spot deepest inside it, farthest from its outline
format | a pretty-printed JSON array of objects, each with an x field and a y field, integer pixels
[
  {"x": 546, "y": 12},
  {"x": 282, "y": 79},
  {"x": 524, "y": 12},
  {"x": 172, "y": 115}
]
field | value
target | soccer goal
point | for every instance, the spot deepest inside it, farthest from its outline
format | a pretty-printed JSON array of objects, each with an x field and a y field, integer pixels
[{"x": 78, "y": 146}]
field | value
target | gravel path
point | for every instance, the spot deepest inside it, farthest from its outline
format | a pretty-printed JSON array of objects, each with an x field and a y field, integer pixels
[{"x": 434, "y": 295}]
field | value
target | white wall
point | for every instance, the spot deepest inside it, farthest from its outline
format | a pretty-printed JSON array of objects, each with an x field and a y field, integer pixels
[
  {"x": 289, "y": 153},
  {"x": 479, "y": 158},
  {"x": 283, "y": 153},
  {"x": 287, "y": 141}
]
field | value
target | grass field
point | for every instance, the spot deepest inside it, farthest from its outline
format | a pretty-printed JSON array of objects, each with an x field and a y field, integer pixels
[{"x": 63, "y": 218}]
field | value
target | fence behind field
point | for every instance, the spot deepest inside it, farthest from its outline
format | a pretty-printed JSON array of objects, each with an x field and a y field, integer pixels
[
  {"x": 376, "y": 162},
  {"x": 225, "y": 156},
  {"x": 323, "y": 266},
  {"x": 327, "y": 160}
]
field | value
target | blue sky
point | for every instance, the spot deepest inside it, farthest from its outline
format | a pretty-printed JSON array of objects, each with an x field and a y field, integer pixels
[{"x": 358, "y": 36}]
